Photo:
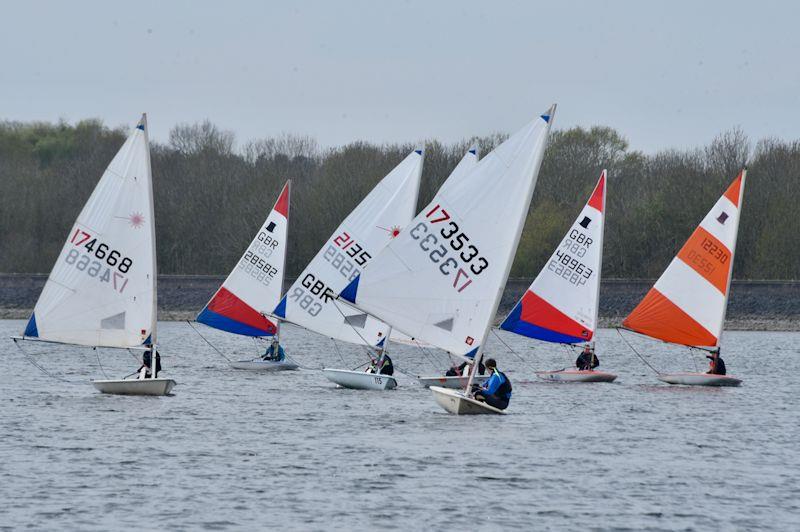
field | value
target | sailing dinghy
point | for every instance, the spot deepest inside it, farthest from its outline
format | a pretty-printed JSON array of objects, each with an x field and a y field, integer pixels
[
  {"x": 240, "y": 306},
  {"x": 442, "y": 279},
  {"x": 311, "y": 301},
  {"x": 101, "y": 291},
  {"x": 561, "y": 305},
  {"x": 687, "y": 304}
]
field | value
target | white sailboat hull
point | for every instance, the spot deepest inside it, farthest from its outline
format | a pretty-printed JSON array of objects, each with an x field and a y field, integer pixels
[
  {"x": 135, "y": 386},
  {"x": 455, "y": 383},
  {"x": 360, "y": 380},
  {"x": 699, "y": 379},
  {"x": 258, "y": 364},
  {"x": 576, "y": 375},
  {"x": 457, "y": 403}
]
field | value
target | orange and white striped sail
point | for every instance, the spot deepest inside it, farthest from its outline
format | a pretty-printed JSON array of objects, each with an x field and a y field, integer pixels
[{"x": 687, "y": 304}]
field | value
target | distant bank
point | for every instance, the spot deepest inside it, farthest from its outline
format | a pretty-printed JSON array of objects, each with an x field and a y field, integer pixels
[{"x": 754, "y": 305}]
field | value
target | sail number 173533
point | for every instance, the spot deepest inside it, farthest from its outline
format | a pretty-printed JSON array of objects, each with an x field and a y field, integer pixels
[{"x": 449, "y": 247}]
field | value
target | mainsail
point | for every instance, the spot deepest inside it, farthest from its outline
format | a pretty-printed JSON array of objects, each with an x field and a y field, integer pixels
[
  {"x": 255, "y": 285},
  {"x": 441, "y": 280},
  {"x": 464, "y": 167},
  {"x": 687, "y": 304},
  {"x": 562, "y": 302},
  {"x": 376, "y": 221},
  {"x": 102, "y": 289}
]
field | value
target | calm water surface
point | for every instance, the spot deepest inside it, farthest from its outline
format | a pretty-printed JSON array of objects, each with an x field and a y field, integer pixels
[{"x": 238, "y": 450}]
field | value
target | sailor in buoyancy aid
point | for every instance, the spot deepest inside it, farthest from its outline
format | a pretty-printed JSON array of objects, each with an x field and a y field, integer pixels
[
  {"x": 383, "y": 360},
  {"x": 274, "y": 352},
  {"x": 716, "y": 366},
  {"x": 496, "y": 391},
  {"x": 587, "y": 360},
  {"x": 145, "y": 369},
  {"x": 463, "y": 370}
]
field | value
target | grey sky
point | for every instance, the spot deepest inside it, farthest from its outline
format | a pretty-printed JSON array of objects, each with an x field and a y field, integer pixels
[{"x": 665, "y": 74}]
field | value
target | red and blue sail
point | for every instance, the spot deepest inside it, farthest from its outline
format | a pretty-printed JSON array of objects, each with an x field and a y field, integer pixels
[
  {"x": 228, "y": 313},
  {"x": 256, "y": 282},
  {"x": 560, "y": 306}
]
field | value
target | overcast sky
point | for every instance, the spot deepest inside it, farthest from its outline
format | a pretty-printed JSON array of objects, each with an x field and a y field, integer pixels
[{"x": 665, "y": 74}]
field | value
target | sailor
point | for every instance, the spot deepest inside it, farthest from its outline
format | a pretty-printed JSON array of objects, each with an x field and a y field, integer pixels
[
  {"x": 463, "y": 370},
  {"x": 496, "y": 391},
  {"x": 145, "y": 369},
  {"x": 274, "y": 352},
  {"x": 716, "y": 366},
  {"x": 386, "y": 366},
  {"x": 587, "y": 360}
]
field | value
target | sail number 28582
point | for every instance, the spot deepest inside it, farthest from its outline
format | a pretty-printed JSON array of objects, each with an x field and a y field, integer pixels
[{"x": 471, "y": 263}]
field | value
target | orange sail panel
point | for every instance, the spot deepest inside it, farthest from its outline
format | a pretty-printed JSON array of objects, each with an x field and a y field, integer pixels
[
  {"x": 658, "y": 317},
  {"x": 687, "y": 304}
]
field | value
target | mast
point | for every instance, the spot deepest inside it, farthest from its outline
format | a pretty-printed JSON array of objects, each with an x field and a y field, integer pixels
[
  {"x": 509, "y": 261},
  {"x": 600, "y": 265},
  {"x": 286, "y": 252},
  {"x": 154, "y": 322},
  {"x": 733, "y": 255}
]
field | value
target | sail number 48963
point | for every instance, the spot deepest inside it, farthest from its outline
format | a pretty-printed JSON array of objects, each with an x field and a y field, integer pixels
[{"x": 471, "y": 263}]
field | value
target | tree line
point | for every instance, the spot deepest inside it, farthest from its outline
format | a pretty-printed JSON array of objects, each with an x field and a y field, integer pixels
[{"x": 211, "y": 196}]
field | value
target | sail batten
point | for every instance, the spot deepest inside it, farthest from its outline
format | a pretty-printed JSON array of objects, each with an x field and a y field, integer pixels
[{"x": 688, "y": 302}]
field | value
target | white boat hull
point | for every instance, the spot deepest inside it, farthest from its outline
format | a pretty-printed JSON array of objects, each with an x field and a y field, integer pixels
[
  {"x": 457, "y": 403},
  {"x": 135, "y": 386},
  {"x": 455, "y": 383},
  {"x": 258, "y": 364},
  {"x": 576, "y": 375},
  {"x": 699, "y": 379},
  {"x": 359, "y": 380}
]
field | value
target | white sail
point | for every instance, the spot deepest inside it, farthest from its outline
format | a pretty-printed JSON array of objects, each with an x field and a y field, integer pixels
[
  {"x": 379, "y": 218},
  {"x": 562, "y": 302},
  {"x": 464, "y": 166},
  {"x": 101, "y": 291},
  {"x": 255, "y": 285},
  {"x": 440, "y": 281}
]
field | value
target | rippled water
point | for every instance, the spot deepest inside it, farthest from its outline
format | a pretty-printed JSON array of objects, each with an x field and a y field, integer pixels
[{"x": 233, "y": 449}]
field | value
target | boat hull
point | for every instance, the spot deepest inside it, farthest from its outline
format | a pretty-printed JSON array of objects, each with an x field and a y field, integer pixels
[
  {"x": 455, "y": 383},
  {"x": 699, "y": 379},
  {"x": 456, "y": 402},
  {"x": 135, "y": 386},
  {"x": 576, "y": 375},
  {"x": 360, "y": 380},
  {"x": 258, "y": 364}
]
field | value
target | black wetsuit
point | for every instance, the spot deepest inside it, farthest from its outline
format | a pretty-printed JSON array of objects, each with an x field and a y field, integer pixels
[
  {"x": 719, "y": 367},
  {"x": 387, "y": 368},
  {"x": 587, "y": 361},
  {"x": 146, "y": 362}
]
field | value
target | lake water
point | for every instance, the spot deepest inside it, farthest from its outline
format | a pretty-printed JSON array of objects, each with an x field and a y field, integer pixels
[{"x": 238, "y": 450}]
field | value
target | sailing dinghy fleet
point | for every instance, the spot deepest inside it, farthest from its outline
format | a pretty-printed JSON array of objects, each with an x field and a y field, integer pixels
[{"x": 432, "y": 278}]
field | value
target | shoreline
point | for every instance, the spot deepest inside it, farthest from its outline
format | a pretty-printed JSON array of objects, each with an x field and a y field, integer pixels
[{"x": 753, "y": 323}]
